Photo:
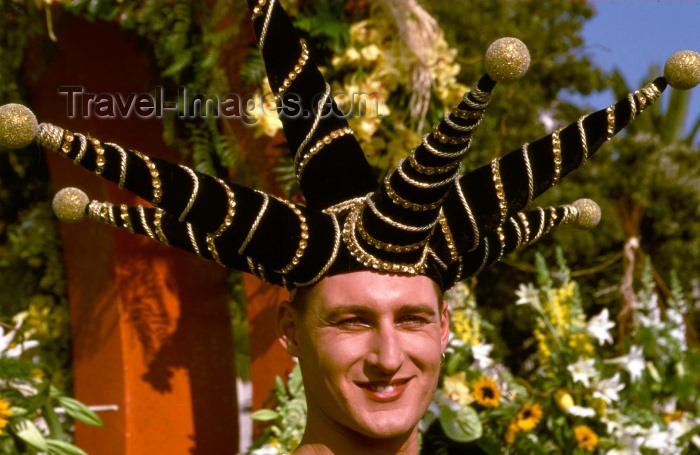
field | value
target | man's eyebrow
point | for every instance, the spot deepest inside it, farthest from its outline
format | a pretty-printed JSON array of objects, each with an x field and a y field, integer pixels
[{"x": 413, "y": 308}]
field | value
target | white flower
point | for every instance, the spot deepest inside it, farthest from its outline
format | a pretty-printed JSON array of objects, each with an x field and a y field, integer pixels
[
  {"x": 633, "y": 362},
  {"x": 614, "y": 421},
  {"x": 265, "y": 450},
  {"x": 528, "y": 295},
  {"x": 629, "y": 439},
  {"x": 663, "y": 441},
  {"x": 606, "y": 389},
  {"x": 599, "y": 327},
  {"x": 6, "y": 341},
  {"x": 667, "y": 407},
  {"x": 481, "y": 353},
  {"x": 582, "y": 371},
  {"x": 580, "y": 411}
]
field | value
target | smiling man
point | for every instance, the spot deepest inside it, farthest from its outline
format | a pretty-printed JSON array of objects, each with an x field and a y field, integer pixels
[
  {"x": 369, "y": 346},
  {"x": 368, "y": 260}
]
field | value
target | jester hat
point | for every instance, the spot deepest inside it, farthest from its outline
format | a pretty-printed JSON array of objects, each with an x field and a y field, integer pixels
[{"x": 426, "y": 217}]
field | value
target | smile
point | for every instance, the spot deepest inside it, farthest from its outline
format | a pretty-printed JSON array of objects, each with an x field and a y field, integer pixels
[{"x": 386, "y": 390}]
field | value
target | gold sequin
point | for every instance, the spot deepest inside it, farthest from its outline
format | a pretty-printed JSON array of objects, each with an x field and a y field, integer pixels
[
  {"x": 370, "y": 261},
  {"x": 331, "y": 259},
  {"x": 155, "y": 177},
  {"x": 398, "y": 200},
  {"x": 193, "y": 240},
  {"x": 526, "y": 227},
  {"x": 396, "y": 224},
  {"x": 67, "y": 142},
  {"x": 296, "y": 71},
  {"x": 449, "y": 240},
  {"x": 126, "y": 219},
  {"x": 440, "y": 153},
  {"x": 423, "y": 185},
  {"x": 384, "y": 245},
  {"x": 610, "y": 119},
  {"x": 428, "y": 170},
  {"x": 303, "y": 239},
  {"x": 158, "y": 224},
  {"x": 100, "y": 159},
  {"x": 320, "y": 144},
  {"x": 500, "y": 193},
  {"x": 556, "y": 152}
]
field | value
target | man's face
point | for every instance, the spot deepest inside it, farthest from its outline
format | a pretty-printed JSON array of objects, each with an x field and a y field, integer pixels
[{"x": 369, "y": 346}]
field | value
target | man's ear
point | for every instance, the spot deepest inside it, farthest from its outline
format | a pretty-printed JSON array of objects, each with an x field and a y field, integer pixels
[
  {"x": 287, "y": 328},
  {"x": 444, "y": 326}
]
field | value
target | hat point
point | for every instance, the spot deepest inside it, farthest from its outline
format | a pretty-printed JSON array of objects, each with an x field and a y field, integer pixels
[
  {"x": 682, "y": 70},
  {"x": 69, "y": 204},
  {"x": 507, "y": 59},
  {"x": 588, "y": 214},
  {"x": 18, "y": 126}
]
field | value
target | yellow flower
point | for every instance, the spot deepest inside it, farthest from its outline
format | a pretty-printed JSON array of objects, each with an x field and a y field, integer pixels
[
  {"x": 581, "y": 344},
  {"x": 4, "y": 414},
  {"x": 674, "y": 416},
  {"x": 487, "y": 393},
  {"x": 465, "y": 328},
  {"x": 563, "y": 399},
  {"x": 455, "y": 388},
  {"x": 529, "y": 416},
  {"x": 585, "y": 437},
  {"x": 512, "y": 432}
]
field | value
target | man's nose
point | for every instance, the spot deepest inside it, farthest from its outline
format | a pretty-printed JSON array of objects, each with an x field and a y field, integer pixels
[{"x": 387, "y": 353}]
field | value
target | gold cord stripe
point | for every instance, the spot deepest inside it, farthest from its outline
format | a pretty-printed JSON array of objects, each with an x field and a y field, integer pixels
[
  {"x": 193, "y": 196},
  {"x": 254, "y": 226}
]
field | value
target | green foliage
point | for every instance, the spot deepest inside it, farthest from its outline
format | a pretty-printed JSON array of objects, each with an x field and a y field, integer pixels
[
  {"x": 29, "y": 422},
  {"x": 288, "y": 418}
]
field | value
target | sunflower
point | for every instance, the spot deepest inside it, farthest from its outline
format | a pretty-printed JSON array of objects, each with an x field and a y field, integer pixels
[
  {"x": 529, "y": 416},
  {"x": 512, "y": 432},
  {"x": 487, "y": 393},
  {"x": 4, "y": 414},
  {"x": 585, "y": 437}
]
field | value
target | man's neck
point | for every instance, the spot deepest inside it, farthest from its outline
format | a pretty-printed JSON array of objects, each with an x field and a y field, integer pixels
[{"x": 321, "y": 441}]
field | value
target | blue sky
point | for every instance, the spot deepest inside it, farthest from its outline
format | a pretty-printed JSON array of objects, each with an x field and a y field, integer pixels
[{"x": 632, "y": 35}]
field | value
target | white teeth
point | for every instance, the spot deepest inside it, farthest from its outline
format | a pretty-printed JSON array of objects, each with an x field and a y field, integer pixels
[{"x": 382, "y": 389}]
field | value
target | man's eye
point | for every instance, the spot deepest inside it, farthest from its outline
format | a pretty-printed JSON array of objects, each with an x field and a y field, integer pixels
[
  {"x": 413, "y": 321},
  {"x": 352, "y": 322}
]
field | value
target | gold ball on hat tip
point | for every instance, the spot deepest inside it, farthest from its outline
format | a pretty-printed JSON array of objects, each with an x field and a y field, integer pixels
[
  {"x": 18, "y": 126},
  {"x": 682, "y": 70},
  {"x": 588, "y": 214},
  {"x": 69, "y": 204},
  {"x": 507, "y": 59}
]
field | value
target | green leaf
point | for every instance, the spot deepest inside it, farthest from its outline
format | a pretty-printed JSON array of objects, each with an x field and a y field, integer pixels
[
  {"x": 29, "y": 433},
  {"x": 264, "y": 415},
  {"x": 463, "y": 425},
  {"x": 79, "y": 411},
  {"x": 59, "y": 447},
  {"x": 295, "y": 382}
]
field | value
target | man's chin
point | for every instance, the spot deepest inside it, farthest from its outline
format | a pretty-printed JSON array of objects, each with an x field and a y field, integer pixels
[{"x": 388, "y": 427}]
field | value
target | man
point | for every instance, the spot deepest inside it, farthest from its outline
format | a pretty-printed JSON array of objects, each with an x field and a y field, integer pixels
[
  {"x": 369, "y": 346},
  {"x": 368, "y": 260}
]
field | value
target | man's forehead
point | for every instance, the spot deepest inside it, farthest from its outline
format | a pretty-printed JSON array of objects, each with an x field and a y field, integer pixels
[{"x": 375, "y": 287}]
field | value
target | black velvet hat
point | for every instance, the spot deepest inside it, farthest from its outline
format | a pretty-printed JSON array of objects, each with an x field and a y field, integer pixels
[{"x": 425, "y": 217}]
